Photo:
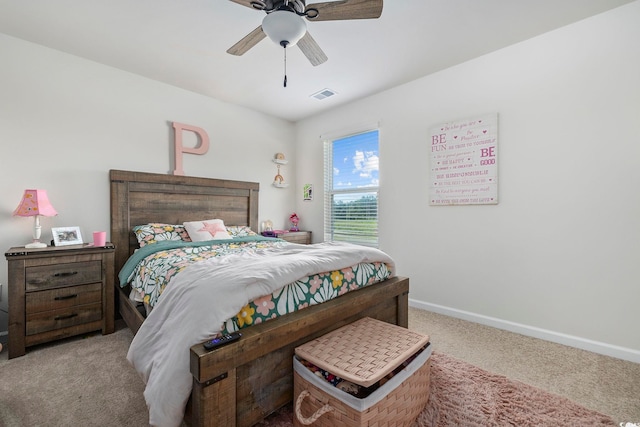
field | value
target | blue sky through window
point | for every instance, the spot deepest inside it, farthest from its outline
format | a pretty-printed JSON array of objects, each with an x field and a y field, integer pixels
[{"x": 355, "y": 161}]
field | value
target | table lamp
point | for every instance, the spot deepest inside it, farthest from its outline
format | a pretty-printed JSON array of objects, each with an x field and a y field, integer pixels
[{"x": 35, "y": 203}]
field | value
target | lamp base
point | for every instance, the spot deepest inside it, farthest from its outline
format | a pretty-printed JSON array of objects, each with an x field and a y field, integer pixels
[{"x": 35, "y": 245}]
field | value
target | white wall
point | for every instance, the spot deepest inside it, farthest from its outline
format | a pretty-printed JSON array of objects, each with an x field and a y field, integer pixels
[
  {"x": 558, "y": 257},
  {"x": 65, "y": 122}
]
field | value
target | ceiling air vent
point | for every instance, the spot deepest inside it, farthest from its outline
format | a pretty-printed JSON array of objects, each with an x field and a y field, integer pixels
[{"x": 324, "y": 93}]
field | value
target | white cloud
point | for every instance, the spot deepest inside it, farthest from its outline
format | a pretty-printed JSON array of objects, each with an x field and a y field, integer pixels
[{"x": 365, "y": 163}]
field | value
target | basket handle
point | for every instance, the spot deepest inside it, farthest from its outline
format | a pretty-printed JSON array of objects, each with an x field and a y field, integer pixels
[{"x": 312, "y": 419}]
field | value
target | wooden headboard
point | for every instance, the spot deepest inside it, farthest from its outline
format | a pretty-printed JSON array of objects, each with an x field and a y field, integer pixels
[{"x": 141, "y": 198}]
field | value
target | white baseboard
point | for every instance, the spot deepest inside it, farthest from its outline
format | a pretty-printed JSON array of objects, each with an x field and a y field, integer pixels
[{"x": 531, "y": 331}]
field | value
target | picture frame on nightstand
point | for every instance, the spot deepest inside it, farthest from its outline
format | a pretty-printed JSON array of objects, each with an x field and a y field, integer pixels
[{"x": 63, "y": 236}]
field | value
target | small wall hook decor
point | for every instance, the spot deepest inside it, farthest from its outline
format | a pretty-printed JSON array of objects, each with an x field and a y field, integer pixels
[{"x": 278, "y": 180}]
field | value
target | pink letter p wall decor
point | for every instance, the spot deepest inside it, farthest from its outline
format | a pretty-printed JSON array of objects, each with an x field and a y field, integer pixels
[{"x": 201, "y": 148}]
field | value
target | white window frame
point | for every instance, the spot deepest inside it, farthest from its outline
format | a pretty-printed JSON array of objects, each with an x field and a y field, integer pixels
[{"x": 363, "y": 236}]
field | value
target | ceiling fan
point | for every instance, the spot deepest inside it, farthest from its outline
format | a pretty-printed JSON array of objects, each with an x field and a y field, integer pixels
[{"x": 284, "y": 23}]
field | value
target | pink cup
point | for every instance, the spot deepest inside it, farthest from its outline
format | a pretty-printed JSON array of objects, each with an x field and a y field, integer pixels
[{"x": 99, "y": 238}]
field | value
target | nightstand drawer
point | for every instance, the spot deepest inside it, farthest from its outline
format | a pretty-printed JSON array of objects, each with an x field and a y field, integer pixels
[
  {"x": 56, "y": 299},
  {"x": 300, "y": 237},
  {"x": 57, "y": 319},
  {"x": 54, "y": 276}
]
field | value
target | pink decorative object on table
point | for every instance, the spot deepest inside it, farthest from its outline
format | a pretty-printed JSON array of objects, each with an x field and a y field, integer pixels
[
  {"x": 35, "y": 203},
  {"x": 294, "y": 222},
  {"x": 99, "y": 238}
]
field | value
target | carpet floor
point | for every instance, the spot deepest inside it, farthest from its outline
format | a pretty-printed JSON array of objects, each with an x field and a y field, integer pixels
[{"x": 87, "y": 381}]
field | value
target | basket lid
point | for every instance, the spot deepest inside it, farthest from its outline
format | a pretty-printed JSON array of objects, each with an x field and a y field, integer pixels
[{"x": 364, "y": 351}]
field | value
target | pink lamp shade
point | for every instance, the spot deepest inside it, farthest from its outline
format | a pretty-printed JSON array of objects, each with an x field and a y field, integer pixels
[{"x": 35, "y": 203}]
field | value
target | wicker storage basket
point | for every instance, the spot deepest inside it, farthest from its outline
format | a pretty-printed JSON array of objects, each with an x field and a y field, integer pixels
[{"x": 363, "y": 353}]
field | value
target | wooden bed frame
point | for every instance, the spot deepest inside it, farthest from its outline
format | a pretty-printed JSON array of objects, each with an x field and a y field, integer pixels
[{"x": 241, "y": 383}]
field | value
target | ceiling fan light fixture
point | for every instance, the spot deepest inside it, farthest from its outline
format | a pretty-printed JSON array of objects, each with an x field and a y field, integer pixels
[{"x": 284, "y": 28}]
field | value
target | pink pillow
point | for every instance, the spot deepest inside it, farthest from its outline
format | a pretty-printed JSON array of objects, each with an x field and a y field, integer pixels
[{"x": 210, "y": 229}]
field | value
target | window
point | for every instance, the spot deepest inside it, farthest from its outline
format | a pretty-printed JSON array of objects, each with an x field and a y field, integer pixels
[{"x": 351, "y": 189}]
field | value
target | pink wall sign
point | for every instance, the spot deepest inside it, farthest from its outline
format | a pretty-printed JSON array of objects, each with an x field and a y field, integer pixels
[
  {"x": 464, "y": 162},
  {"x": 201, "y": 148}
]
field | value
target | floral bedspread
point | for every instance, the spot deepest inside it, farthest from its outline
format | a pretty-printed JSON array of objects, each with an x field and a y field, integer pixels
[
  {"x": 152, "y": 268},
  {"x": 308, "y": 291},
  {"x": 160, "y": 262},
  {"x": 198, "y": 301}
]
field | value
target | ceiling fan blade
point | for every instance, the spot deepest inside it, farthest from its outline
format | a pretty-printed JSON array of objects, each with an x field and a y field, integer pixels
[
  {"x": 311, "y": 50},
  {"x": 247, "y": 42},
  {"x": 345, "y": 9}
]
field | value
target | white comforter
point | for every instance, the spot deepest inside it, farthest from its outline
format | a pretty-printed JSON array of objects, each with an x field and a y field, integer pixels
[{"x": 203, "y": 296}]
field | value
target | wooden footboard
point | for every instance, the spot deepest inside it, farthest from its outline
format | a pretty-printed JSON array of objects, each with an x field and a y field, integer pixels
[{"x": 243, "y": 382}]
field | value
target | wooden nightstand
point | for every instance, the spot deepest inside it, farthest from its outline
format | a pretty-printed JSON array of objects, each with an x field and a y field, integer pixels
[
  {"x": 302, "y": 237},
  {"x": 58, "y": 292}
]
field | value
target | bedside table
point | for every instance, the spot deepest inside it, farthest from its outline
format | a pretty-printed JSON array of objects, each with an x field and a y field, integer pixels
[
  {"x": 302, "y": 237},
  {"x": 58, "y": 292}
]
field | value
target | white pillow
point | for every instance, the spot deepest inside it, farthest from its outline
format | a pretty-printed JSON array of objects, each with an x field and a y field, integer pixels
[{"x": 210, "y": 229}]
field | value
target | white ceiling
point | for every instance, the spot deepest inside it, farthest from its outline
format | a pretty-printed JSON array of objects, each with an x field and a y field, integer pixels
[{"x": 184, "y": 42}]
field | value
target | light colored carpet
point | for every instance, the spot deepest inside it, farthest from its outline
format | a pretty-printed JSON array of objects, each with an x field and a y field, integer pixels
[
  {"x": 605, "y": 384},
  {"x": 87, "y": 381},
  {"x": 77, "y": 382}
]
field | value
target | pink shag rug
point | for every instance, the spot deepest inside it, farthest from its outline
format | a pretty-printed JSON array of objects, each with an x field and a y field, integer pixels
[{"x": 465, "y": 395}]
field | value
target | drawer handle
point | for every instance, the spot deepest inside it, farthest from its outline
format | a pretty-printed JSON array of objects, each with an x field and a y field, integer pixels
[
  {"x": 67, "y": 316},
  {"x": 65, "y": 297},
  {"x": 65, "y": 274}
]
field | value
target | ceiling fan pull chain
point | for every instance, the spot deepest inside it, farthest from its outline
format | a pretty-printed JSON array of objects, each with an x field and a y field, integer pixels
[{"x": 285, "y": 66}]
